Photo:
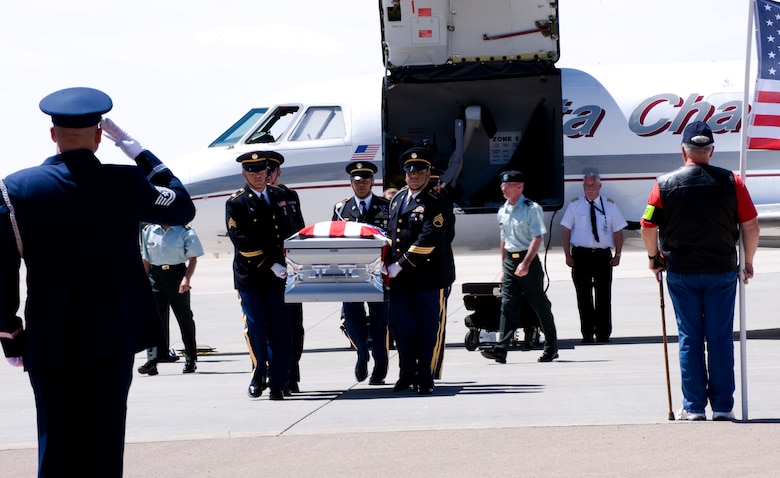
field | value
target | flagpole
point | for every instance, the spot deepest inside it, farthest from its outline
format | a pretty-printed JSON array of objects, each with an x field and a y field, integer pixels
[{"x": 742, "y": 174}]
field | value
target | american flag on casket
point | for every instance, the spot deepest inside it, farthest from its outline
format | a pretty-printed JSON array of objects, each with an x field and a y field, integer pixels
[
  {"x": 336, "y": 261},
  {"x": 341, "y": 229}
]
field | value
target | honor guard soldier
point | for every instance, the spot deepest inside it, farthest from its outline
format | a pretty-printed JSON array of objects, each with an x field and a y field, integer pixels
[
  {"x": 294, "y": 223},
  {"x": 79, "y": 302},
  {"x": 418, "y": 272},
  {"x": 441, "y": 188},
  {"x": 367, "y": 208},
  {"x": 255, "y": 224},
  {"x": 590, "y": 228}
]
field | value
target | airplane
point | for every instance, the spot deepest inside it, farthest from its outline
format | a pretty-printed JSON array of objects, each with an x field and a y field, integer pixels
[{"x": 624, "y": 122}]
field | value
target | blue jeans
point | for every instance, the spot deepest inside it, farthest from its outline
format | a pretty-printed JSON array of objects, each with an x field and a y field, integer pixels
[{"x": 704, "y": 305}]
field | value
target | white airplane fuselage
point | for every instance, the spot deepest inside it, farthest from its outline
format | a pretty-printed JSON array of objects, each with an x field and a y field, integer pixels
[{"x": 625, "y": 123}]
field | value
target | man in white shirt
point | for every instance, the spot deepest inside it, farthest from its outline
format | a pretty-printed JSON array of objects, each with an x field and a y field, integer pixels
[{"x": 591, "y": 227}]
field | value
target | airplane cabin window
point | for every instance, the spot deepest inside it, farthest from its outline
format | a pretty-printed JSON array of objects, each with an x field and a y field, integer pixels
[
  {"x": 320, "y": 122},
  {"x": 274, "y": 126}
]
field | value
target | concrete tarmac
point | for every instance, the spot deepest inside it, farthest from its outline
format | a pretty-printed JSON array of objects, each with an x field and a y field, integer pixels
[{"x": 600, "y": 410}]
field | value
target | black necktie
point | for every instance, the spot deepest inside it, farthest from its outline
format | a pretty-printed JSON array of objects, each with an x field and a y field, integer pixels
[
  {"x": 362, "y": 210},
  {"x": 593, "y": 221},
  {"x": 408, "y": 201}
]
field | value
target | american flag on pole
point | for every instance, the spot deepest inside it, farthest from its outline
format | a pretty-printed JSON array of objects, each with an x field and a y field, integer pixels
[
  {"x": 365, "y": 152},
  {"x": 764, "y": 129}
]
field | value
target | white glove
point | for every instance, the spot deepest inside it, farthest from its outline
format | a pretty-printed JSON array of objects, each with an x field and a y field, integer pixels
[
  {"x": 393, "y": 270},
  {"x": 279, "y": 270},
  {"x": 15, "y": 361},
  {"x": 126, "y": 143}
]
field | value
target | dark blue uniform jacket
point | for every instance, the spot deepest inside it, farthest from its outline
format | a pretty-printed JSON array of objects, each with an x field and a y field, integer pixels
[
  {"x": 258, "y": 231},
  {"x": 88, "y": 297},
  {"x": 377, "y": 214},
  {"x": 419, "y": 240}
]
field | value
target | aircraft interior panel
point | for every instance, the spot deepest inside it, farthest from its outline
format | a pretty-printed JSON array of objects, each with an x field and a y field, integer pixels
[{"x": 519, "y": 128}]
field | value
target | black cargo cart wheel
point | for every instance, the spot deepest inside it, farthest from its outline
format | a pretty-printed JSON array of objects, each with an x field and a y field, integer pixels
[{"x": 472, "y": 340}]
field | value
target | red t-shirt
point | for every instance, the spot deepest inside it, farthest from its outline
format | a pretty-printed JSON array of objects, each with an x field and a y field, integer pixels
[{"x": 745, "y": 208}]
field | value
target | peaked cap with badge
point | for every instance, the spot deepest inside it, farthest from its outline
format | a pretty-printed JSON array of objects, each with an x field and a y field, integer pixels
[{"x": 358, "y": 170}]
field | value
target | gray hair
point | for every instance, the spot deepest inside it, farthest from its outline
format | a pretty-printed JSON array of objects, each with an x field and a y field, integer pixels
[
  {"x": 692, "y": 148},
  {"x": 591, "y": 174}
]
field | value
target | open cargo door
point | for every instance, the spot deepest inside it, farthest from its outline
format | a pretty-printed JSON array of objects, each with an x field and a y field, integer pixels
[{"x": 476, "y": 82}]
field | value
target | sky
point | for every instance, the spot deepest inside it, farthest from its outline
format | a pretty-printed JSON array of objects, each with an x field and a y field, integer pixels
[{"x": 180, "y": 73}]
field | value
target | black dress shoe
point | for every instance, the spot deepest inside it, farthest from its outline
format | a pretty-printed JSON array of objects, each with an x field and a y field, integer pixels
[
  {"x": 256, "y": 387},
  {"x": 587, "y": 340},
  {"x": 495, "y": 353},
  {"x": 402, "y": 385},
  {"x": 376, "y": 381},
  {"x": 189, "y": 366},
  {"x": 276, "y": 394},
  {"x": 293, "y": 387},
  {"x": 149, "y": 368},
  {"x": 547, "y": 356},
  {"x": 361, "y": 370},
  {"x": 426, "y": 390}
]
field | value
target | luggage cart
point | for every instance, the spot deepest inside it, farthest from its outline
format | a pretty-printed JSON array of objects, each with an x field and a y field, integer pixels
[{"x": 484, "y": 300}]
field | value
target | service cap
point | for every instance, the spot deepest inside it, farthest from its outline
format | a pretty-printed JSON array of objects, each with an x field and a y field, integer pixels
[
  {"x": 274, "y": 160},
  {"x": 512, "y": 177},
  {"x": 358, "y": 170},
  {"x": 76, "y": 107},
  {"x": 698, "y": 134},
  {"x": 417, "y": 159},
  {"x": 255, "y": 161}
]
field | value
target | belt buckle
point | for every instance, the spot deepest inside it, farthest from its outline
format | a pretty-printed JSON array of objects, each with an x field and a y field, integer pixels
[
  {"x": 165, "y": 267},
  {"x": 515, "y": 255}
]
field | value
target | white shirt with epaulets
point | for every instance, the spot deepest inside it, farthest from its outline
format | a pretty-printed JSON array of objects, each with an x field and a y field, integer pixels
[{"x": 609, "y": 219}]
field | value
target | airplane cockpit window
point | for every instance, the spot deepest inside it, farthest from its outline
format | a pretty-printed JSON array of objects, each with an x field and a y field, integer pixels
[
  {"x": 239, "y": 129},
  {"x": 320, "y": 122},
  {"x": 274, "y": 126}
]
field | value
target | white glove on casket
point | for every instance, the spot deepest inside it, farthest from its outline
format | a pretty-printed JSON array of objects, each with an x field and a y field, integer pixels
[
  {"x": 393, "y": 270},
  {"x": 124, "y": 141},
  {"x": 279, "y": 270}
]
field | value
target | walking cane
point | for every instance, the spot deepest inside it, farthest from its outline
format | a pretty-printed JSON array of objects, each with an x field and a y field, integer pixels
[{"x": 660, "y": 278}]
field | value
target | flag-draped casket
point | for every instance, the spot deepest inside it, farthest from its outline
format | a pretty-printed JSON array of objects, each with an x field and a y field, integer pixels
[{"x": 336, "y": 261}]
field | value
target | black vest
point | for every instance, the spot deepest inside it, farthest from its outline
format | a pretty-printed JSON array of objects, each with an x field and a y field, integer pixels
[{"x": 699, "y": 226}]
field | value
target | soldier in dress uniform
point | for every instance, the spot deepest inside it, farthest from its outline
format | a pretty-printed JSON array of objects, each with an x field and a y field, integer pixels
[
  {"x": 256, "y": 226},
  {"x": 418, "y": 271},
  {"x": 367, "y": 208},
  {"x": 294, "y": 223},
  {"x": 77, "y": 302},
  {"x": 435, "y": 182}
]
